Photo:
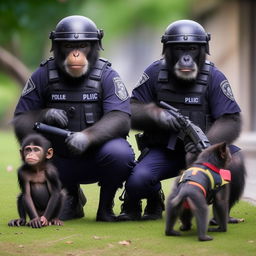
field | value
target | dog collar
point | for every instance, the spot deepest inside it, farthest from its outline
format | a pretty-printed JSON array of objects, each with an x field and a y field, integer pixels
[{"x": 225, "y": 174}]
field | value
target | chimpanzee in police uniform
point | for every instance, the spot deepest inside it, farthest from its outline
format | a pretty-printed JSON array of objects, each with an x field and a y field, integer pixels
[
  {"x": 78, "y": 91},
  {"x": 185, "y": 80}
]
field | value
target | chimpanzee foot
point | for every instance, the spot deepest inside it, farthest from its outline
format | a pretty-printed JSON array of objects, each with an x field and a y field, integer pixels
[
  {"x": 235, "y": 220},
  {"x": 205, "y": 238},
  {"x": 172, "y": 233},
  {"x": 231, "y": 220},
  {"x": 17, "y": 223},
  {"x": 56, "y": 222}
]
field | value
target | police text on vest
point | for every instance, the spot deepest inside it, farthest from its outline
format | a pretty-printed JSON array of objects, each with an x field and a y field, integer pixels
[{"x": 58, "y": 96}]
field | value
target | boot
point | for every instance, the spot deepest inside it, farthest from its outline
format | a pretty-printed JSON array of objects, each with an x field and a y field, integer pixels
[
  {"x": 130, "y": 209},
  {"x": 106, "y": 204},
  {"x": 73, "y": 204},
  {"x": 155, "y": 207}
]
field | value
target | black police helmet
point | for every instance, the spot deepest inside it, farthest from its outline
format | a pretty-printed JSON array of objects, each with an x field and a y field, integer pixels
[
  {"x": 186, "y": 31},
  {"x": 76, "y": 28}
]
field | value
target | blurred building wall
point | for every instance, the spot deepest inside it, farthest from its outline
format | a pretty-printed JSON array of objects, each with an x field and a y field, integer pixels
[{"x": 233, "y": 50}]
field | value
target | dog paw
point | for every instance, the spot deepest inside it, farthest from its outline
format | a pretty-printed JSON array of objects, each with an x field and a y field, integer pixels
[
  {"x": 217, "y": 229},
  {"x": 172, "y": 233},
  {"x": 205, "y": 238}
]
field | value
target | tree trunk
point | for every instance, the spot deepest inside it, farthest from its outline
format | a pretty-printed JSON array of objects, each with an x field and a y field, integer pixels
[{"x": 13, "y": 67}]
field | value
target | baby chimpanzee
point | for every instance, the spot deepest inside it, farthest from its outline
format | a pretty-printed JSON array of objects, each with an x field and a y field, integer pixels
[
  {"x": 196, "y": 188},
  {"x": 41, "y": 196}
]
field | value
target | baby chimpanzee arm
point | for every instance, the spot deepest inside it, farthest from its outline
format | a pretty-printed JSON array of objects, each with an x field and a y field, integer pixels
[
  {"x": 54, "y": 186},
  {"x": 27, "y": 198}
]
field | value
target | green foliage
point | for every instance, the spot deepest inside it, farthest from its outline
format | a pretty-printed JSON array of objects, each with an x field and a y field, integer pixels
[
  {"x": 27, "y": 23},
  {"x": 8, "y": 94},
  {"x": 120, "y": 17},
  {"x": 87, "y": 237}
]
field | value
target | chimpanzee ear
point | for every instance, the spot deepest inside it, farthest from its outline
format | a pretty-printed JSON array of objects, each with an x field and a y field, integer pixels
[
  {"x": 49, "y": 153},
  {"x": 223, "y": 150},
  {"x": 21, "y": 154}
]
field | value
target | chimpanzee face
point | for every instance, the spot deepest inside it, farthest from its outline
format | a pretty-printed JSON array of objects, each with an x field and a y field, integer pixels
[
  {"x": 33, "y": 154},
  {"x": 185, "y": 60},
  {"x": 72, "y": 57}
]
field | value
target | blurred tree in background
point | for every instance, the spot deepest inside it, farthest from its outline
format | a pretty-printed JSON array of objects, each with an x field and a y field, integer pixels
[{"x": 25, "y": 26}]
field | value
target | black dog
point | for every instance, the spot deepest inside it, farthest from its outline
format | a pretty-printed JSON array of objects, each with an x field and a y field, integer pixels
[{"x": 196, "y": 188}]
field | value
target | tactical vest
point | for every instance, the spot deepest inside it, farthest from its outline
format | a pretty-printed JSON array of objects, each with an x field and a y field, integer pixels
[
  {"x": 207, "y": 178},
  {"x": 83, "y": 101},
  {"x": 191, "y": 101}
]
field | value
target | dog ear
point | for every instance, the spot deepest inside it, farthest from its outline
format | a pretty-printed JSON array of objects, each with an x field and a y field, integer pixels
[{"x": 222, "y": 147}]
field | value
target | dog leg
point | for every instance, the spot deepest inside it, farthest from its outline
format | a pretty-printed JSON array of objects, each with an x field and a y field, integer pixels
[
  {"x": 200, "y": 210},
  {"x": 172, "y": 213}
]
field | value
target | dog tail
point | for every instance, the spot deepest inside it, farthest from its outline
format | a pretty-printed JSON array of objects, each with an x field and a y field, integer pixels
[{"x": 177, "y": 200}]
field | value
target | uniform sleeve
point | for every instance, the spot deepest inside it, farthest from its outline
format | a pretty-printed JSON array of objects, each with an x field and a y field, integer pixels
[
  {"x": 115, "y": 95},
  {"x": 33, "y": 93},
  {"x": 144, "y": 89},
  {"x": 220, "y": 96}
]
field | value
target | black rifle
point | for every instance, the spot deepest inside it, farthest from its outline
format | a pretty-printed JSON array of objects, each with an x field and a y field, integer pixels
[
  {"x": 51, "y": 130},
  {"x": 189, "y": 129}
]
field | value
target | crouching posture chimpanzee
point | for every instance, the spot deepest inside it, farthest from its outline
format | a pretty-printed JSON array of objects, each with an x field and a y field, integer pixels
[
  {"x": 184, "y": 79},
  {"x": 41, "y": 196},
  {"x": 195, "y": 188},
  {"x": 78, "y": 91}
]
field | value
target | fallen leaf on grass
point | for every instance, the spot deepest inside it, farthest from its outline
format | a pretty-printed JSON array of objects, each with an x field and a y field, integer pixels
[
  {"x": 125, "y": 242},
  {"x": 251, "y": 241},
  {"x": 9, "y": 168},
  {"x": 96, "y": 237},
  {"x": 18, "y": 233},
  {"x": 21, "y": 246},
  {"x": 69, "y": 242}
]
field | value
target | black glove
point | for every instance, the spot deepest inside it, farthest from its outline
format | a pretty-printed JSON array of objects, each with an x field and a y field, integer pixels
[
  {"x": 169, "y": 121},
  {"x": 77, "y": 142},
  {"x": 56, "y": 117},
  {"x": 190, "y": 146}
]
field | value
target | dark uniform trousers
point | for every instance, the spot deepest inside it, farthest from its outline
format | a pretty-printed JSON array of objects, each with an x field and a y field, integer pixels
[
  {"x": 158, "y": 164},
  {"x": 109, "y": 164}
]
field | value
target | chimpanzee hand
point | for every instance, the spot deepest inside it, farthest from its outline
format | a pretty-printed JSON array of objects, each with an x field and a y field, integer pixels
[
  {"x": 77, "y": 142},
  {"x": 56, "y": 117},
  {"x": 190, "y": 147},
  {"x": 17, "y": 222},
  {"x": 169, "y": 121},
  {"x": 44, "y": 221},
  {"x": 35, "y": 223},
  {"x": 56, "y": 222}
]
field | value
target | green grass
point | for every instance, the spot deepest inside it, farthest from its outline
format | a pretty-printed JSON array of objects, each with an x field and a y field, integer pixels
[{"x": 86, "y": 237}]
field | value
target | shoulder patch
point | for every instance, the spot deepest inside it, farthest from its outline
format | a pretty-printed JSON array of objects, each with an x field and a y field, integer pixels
[
  {"x": 226, "y": 89},
  {"x": 120, "y": 89},
  {"x": 29, "y": 87},
  {"x": 142, "y": 80}
]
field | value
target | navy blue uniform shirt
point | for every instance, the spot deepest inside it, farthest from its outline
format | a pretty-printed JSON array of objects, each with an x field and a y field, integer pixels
[
  {"x": 219, "y": 95},
  {"x": 34, "y": 95}
]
